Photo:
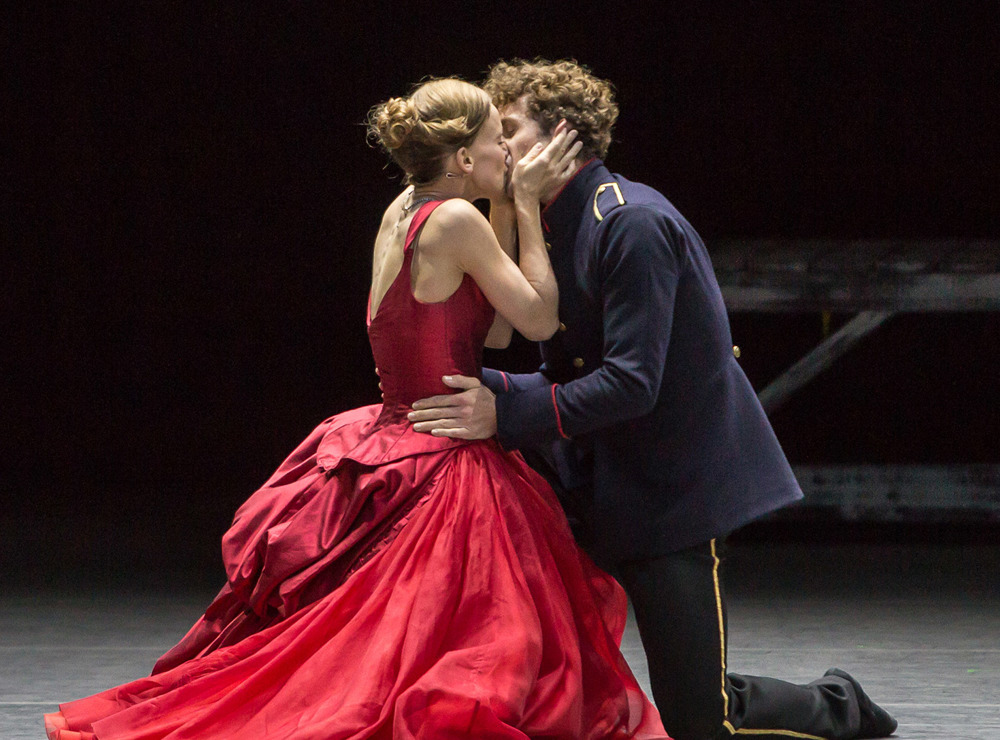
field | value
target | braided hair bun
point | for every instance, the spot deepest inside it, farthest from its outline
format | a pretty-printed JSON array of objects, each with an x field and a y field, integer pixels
[
  {"x": 438, "y": 118},
  {"x": 392, "y": 122}
]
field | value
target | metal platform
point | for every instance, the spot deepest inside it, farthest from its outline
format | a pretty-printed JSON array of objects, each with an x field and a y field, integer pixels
[
  {"x": 875, "y": 280},
  {"x": 854, "y": 276}
]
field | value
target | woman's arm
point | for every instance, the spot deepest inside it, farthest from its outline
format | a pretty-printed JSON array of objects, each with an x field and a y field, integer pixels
[
  {"x": 525, "y": 293},
  {"x": 533, "y": 259},
  {"x": 503, "y": 219},
  {"x": 457, "y": 233}
]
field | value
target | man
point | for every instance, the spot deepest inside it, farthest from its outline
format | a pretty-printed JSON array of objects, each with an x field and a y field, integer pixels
[{"x": 644, "y": 422}]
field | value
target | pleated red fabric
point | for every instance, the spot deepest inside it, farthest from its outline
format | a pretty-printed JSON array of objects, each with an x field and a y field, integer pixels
[{"x": 390, "y": 584}]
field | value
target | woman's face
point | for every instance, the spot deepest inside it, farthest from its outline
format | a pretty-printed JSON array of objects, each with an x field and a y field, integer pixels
[{"x": 490, "y": 158}]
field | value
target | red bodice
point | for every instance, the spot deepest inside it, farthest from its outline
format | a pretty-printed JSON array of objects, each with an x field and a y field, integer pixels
[{"x": 416, "y": 343}]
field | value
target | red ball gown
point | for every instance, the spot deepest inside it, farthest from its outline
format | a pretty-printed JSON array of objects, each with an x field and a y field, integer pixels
[{"x": 390, "y": 584}]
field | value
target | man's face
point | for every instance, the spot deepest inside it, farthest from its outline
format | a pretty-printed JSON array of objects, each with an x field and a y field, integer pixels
[{"x": 520, "y": 130}]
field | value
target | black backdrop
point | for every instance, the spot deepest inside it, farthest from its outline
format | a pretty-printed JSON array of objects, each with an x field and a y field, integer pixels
[{"x": 189, "y": 200}]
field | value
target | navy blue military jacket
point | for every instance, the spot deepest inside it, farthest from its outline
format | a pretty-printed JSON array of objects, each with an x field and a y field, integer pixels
[{"x": 640, "y": 405}]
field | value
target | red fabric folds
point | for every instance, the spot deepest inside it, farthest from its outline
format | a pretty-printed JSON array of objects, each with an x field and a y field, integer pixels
[{"x": 478, "y": 618}]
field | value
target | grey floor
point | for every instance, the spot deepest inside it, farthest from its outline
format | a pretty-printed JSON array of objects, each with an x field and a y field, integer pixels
[{"x": 919, "y": 625}]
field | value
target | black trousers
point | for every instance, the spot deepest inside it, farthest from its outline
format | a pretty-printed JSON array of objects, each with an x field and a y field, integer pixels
[{"x": 680, "y": 609}]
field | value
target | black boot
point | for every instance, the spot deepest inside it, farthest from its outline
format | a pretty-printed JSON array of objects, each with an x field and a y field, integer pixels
[{"x": 875, "y": 721}]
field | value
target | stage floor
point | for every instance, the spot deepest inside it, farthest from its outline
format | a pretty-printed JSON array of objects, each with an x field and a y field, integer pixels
[{"x": 919, "y": 626}]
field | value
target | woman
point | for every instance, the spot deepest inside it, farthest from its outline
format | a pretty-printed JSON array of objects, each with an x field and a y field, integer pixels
[{"x": 389, "y": 584}]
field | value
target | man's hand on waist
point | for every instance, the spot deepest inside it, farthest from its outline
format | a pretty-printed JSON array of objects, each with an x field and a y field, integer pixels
[{"x": 469, "y": 414}]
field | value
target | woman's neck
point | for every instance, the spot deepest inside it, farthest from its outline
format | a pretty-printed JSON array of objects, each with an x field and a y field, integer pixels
[{"x": 443, "y": 188}]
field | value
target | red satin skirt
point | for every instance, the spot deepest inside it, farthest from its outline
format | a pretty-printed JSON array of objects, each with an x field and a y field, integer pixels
[{"x": 433, "y": 595}]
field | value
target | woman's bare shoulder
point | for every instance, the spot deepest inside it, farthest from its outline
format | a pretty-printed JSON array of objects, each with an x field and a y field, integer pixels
[
  {"x": 457, "y": 210},
  {"x": 456, "y": 217}
]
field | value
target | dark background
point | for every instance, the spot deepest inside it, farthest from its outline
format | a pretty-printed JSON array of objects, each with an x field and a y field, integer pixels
[{"x": 189, "y": 201}]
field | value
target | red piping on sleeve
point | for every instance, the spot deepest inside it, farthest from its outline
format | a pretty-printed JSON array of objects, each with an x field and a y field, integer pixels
[
  {"x": 506, "y": 384},
  {"x": 558, "y": 418}
]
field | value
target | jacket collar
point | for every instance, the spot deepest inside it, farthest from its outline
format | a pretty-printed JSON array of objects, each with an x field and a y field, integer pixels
[{"x": 562, "y": 217}]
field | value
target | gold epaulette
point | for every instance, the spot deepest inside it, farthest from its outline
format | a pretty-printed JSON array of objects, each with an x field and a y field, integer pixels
[{"x": 607, "y": 207}]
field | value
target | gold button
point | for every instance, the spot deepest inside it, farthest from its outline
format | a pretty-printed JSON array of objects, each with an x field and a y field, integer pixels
[
  {"x": 548, "y": 247},
  {"x": 736, "y": 351},
  {"x": 562, "y": 326},
  {"x": 578, "y": 362}
]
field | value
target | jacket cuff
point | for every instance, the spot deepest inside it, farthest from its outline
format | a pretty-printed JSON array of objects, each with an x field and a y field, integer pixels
[
  {"x": 529, "y": 417},
  {"x": 496, "y": 381}
]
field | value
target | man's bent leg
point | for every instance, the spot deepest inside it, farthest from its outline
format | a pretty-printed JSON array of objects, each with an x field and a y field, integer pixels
[
  {"x": 681, "y": 617},
  {"x": 680, "y": 610}
]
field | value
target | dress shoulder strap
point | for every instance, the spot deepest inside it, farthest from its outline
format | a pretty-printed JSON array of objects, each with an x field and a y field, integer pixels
[{"x": 418, "y": 221}]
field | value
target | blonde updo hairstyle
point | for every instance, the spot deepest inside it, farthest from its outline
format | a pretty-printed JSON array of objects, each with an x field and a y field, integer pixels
[{"x": 421, "y": 131}]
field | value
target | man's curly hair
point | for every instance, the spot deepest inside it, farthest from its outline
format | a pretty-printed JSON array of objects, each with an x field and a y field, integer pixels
[{"x": 557, "y": 90}]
